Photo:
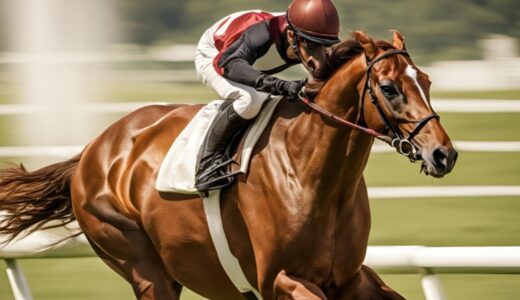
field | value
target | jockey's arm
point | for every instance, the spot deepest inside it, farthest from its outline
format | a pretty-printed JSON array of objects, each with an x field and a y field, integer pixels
[{"x": 238, "y": 59}]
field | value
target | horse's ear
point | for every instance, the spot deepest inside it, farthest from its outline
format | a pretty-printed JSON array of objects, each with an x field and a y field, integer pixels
[
  {"x": 369, "y": 47},
  {"x": 398, "y": 40}
]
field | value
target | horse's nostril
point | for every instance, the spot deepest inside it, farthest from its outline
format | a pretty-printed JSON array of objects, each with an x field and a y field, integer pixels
[{"x": 440, "y": 157}]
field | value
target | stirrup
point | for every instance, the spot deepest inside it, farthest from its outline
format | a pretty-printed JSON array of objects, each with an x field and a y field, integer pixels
[
  {"x": 216, "y": 183},
  {"x": 214, "y": 168}
]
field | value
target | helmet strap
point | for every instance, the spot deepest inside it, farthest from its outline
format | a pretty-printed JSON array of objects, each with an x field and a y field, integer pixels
[{"x": 295, "y": 46}]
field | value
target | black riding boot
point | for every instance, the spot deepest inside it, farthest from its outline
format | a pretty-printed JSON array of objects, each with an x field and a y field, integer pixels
[{"x": 211, "y": 171}]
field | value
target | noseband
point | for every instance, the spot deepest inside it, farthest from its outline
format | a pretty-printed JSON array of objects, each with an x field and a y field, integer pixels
[{"x": 403, "y": 145}]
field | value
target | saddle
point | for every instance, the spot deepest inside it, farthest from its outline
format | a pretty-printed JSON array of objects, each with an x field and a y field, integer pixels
[{"x": 177, "y": 171}]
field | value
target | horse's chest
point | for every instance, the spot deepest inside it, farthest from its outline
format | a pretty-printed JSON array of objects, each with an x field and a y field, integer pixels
[{"x": 328, "y": 254}]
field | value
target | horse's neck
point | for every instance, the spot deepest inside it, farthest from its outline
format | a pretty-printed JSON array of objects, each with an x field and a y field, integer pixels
[{"x": 329, "y": 157}]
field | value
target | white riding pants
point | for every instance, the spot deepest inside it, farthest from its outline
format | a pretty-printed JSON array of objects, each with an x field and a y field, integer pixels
[{"x": 247, "y": 101}]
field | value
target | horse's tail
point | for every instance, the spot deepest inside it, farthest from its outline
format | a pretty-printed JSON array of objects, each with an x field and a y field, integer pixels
[{"x": 30, "y": 201}]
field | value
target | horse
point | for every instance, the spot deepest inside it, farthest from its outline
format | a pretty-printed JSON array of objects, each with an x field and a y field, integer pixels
[{"x": 298, "y": 222}]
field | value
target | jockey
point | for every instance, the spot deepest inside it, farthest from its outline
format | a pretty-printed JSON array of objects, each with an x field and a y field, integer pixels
[{"x": 224, "y": 58}]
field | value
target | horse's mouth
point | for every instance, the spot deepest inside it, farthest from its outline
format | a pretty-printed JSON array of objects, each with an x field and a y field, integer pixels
[{"x": 430, "y": 170}]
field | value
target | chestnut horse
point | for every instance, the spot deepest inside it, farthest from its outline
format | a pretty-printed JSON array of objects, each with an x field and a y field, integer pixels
[{"x": 298, "y": 222}]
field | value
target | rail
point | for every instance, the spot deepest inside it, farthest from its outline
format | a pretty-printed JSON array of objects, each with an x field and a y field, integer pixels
[
  {"x": 428, "y": 261},
  {"x": 440, "y": 105}
]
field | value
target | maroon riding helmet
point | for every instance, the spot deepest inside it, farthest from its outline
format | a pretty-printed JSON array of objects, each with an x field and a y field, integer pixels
[{"x": 314, "y": 20}]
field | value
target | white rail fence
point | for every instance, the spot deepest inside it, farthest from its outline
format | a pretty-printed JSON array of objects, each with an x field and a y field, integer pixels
[
  {"x": 428, "y": 261},
  {"x": 444, "y": 105}
]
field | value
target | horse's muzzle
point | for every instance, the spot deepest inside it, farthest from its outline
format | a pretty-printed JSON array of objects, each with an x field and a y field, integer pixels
[{"x": 438, "y": 161}]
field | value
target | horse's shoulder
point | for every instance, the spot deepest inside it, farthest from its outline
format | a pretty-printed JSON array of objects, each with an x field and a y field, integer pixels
[{"x": 288, "y": 110}]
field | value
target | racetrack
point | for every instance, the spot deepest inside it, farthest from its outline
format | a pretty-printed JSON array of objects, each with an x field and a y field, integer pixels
[{"x": 432, "y": 221}]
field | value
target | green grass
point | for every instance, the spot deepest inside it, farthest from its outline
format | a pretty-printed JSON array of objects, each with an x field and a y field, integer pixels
[
  {"x": 478, "y": 221},
  {"x": 502, "y": 94},
  {"x": 472, "y": 168},
  {"x": 8, "y": 92},
  {"x": 459, "y": 286},
  {"x": 78, "y": 279},
  {"x": 86, "y": 278},
  {"x": 58, "y": 280},
  {"x": 8, "y": 136},
  {"x": 482, "y": 126},
  {"x": 481, "y": 287}
]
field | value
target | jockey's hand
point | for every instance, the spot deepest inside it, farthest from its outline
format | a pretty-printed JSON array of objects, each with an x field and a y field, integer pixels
[
  {"x": 280, "y": 87},
  {"x": 294, "y": 88}
]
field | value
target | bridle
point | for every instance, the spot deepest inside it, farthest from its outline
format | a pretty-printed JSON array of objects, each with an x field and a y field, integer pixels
[{"x": 403, "y": 145}]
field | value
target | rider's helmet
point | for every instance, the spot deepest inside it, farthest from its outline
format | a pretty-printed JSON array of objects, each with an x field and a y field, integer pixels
[{"x": 314, "y": 20}]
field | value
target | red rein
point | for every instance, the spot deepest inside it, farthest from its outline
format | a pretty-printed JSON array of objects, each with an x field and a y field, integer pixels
[{"x": 342, "y": 121}]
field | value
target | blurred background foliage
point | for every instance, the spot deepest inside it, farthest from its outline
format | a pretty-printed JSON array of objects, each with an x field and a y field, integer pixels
[{"x": 435, "y": 30}]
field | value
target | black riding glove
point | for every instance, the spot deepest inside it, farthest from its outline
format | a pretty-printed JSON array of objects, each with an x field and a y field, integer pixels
[
  {"x": 276, "y": 86},
  {"x": 294, "y": 89}
]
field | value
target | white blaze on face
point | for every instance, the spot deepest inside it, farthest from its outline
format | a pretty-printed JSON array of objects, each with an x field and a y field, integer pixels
[{"x": 412, "y": 73}]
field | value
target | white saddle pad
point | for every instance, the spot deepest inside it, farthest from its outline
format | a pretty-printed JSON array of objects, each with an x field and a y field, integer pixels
[{"x": 177, "y": 172}]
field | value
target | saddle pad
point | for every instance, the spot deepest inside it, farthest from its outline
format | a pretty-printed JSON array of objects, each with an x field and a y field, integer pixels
[{"x": 177, "y": 171}]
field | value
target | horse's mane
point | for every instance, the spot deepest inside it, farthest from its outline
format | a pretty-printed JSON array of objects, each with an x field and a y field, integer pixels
[{"x": 337, "y": 56}]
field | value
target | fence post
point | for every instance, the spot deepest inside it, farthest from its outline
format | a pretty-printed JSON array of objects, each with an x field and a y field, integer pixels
[
  {"x": 17, "y": 280},
  {"x": 432, "y": 286}
]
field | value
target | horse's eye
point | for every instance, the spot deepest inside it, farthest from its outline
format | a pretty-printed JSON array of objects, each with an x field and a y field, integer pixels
[{"x": 389, "y": 91}]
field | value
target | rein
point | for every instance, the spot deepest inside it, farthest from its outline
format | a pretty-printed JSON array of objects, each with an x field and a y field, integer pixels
[{"x": 404, "y": 146}]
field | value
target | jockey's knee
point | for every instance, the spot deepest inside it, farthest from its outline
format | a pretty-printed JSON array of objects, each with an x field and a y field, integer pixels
[{"x": 247, "y": 106}]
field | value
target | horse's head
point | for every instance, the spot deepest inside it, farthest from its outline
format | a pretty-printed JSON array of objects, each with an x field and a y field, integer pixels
[{"x": 396, "y": 99}]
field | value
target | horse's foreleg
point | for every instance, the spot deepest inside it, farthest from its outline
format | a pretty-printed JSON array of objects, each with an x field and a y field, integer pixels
[
  {"x": 290, "y": 287},
  {"x": 367, "y": 285}
]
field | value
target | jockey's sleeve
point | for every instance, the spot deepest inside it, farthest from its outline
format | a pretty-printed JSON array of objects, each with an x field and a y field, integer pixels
[{"x": 238, "y": 59}]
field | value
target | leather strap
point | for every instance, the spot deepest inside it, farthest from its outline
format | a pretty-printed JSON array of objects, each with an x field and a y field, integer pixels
[{"x": 342, "y": 121}]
